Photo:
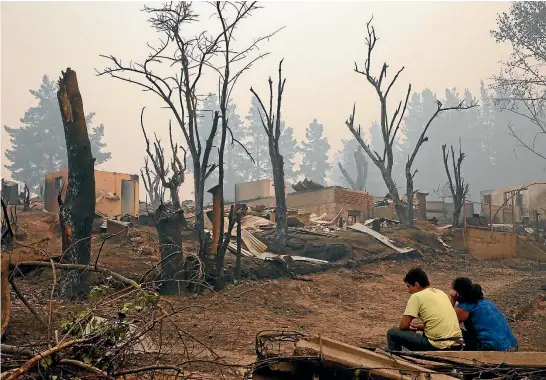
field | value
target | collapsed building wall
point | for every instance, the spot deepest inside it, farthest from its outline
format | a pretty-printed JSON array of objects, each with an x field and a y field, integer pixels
[
  {"x": 356, "y": 204},
  {"x": 116, "y": 194},
  {"x": 497, "y": 203},
  {"x": 484, "y": 244}
]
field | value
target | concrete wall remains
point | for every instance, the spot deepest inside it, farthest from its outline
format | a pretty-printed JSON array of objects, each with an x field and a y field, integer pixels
[
  {"x": 256, "y": 189},
  {"x": 108, "y": 192},
  {"x": 329, "y": 200},
  {"x": 484, "y": 244}
]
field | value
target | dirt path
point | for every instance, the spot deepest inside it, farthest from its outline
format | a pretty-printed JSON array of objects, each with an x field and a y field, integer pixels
[{"x": 356, "y": 306}]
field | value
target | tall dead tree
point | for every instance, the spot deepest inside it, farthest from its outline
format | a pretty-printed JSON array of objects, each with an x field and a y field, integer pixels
[
  {"x": 169, "y": 217},
  {"x": 272, "y": 126},
  {"x": 361, "y": 171},
  {"x": 185, "y": 58},
  {"x": 459, "y": 189},
  {"x": 77, "y": 210},
  {"x": 227, "y": 79},
  {"x": 390, "y": 126}
]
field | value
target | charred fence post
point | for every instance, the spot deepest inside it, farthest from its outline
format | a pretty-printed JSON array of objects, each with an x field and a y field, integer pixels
[{"x": 77, "y": 210}]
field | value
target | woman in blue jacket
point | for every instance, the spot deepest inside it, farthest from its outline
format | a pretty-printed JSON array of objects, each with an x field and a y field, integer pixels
[{"x": 486, "y": 328}]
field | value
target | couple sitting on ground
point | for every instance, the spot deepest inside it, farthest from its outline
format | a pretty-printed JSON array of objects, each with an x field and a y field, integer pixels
[{"x": 485, "y": 328}]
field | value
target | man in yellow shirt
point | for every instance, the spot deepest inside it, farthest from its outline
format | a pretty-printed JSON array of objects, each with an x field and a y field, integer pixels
[{"x": 440, "y": 325}]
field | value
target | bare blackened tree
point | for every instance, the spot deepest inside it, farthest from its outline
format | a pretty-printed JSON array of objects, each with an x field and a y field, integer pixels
[
  {"x": 459, "y": 189},
  {"x": 227, "y": 81},
  {"x": 152, "y": 185},
  {"x": 169, "y": 218},
  {"x": 189, "y": 57},
  {"x": 361, "y": 171},
  {"x": 272, "y": 126},
  {"x": 77, "y": 211},
  {"x": 521, "y": 87},
  {"x": 390, "y": 128}
]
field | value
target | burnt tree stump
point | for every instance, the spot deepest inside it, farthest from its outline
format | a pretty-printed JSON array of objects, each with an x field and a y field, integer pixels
[
  {"x": 169, "y": 224},
  {"x": 77, "y": 210}
]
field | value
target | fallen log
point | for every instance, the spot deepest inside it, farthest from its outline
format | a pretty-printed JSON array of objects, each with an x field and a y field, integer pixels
[{"x": 92, "y": 268}]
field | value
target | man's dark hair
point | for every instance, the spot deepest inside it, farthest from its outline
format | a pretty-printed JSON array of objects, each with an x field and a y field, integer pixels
[{"x": 417, "y": 275}]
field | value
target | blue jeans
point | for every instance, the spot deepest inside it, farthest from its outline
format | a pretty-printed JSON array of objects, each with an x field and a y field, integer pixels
[{"x": 398, "y": 338}]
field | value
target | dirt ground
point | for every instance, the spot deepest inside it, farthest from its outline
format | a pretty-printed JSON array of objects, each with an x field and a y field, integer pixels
[{"x": 355, "y": 301}]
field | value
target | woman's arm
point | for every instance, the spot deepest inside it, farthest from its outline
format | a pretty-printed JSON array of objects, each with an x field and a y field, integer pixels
[{"x": 462, "y": 315}]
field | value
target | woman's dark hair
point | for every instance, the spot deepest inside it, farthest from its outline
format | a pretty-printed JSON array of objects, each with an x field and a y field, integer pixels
[
  {"x": 468, "y": 291},
  {"x": 417, "y": 275}
]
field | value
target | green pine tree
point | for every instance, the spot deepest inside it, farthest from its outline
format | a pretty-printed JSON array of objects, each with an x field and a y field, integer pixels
[{"x": 38, "y": 146}]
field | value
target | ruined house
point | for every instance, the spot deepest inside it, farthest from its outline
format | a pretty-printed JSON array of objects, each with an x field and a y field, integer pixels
[
  {"x": 116, "y": 194},
  {"x": 10, "y": 192},
  {"x": 384, "y": 206},
  {"x": 512, "y": 203},
  {"x": 443, "y": 211},
  {"x": 310, "y": 197}
]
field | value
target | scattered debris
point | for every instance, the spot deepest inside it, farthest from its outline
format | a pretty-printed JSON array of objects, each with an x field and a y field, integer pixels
[{"x": 383, "y": 239}]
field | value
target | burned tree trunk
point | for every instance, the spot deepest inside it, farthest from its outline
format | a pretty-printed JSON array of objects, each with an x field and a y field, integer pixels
[
  {"x": 361, "y": 169},
  {"x": 77, "y": 211},
  {"x": 361, "y": 172},
  {"x": 277, "y": 163},
  {"x": 459, "y": 189},
  {"x": 272, "y": 126},
  {"x": 169, "y": 224}
]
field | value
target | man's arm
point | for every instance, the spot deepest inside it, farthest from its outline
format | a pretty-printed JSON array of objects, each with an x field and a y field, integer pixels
[
  {"x": 405, "y": 322},
  {"x": 411, "y": 312}
]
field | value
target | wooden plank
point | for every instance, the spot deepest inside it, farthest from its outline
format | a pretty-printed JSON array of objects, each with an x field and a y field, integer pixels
[
  {"x": 377, "y": 364},
  {"x": 523, "y": 359},
  {"x": 381, "y": 238},
  {"x": 254, "y": 245}
]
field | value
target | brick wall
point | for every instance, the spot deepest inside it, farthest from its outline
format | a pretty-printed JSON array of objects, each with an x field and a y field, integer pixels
[
  {"x": 329, "y": 200},
  {"x": 353, "y": 200}
]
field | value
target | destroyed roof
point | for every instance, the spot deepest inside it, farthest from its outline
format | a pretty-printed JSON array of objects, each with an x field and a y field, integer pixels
[{"x": 307, "y": 184}]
